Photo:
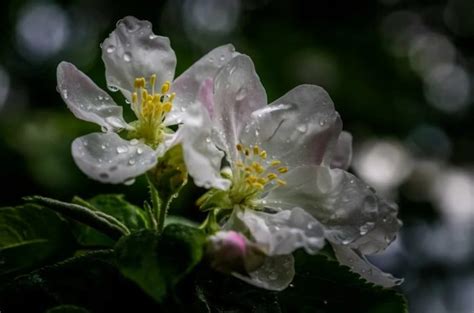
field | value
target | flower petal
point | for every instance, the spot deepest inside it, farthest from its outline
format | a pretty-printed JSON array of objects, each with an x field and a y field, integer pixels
[
  {"x": 280, "y": 233},
  {"x": 360, "y": 265},
  {"x": 237, "y": 93},
  {"x": 188, "y": 84},
  {"x": 87, "y": 101},
  {"x": 202, "y": 158},
  {"x": 348, "y": 208},
  {"x": 111, "y": 159},
  {"x": 298, "y": 128},
  {"x": 276, "y": 273},
  {"x": 342, "y": 153},
  {"x": 132, "y": 50}
]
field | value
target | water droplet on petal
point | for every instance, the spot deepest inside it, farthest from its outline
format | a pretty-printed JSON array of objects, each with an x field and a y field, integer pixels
[
  {"x": 222, "y": 58},
  {"x": 302, "y": 128},
  {"x": 322, "y": 122},
  {"x": 112, "y": 88},
  {"x": 64, "y": 92},
  {"x": 127, "y": 57},
  {"x": 103, "y": 147},
  {"x": 208, "y": 140},
  {"x": 129, "y": 181},
  {"x": 134, "y": 141},
  {"x": 131, "y": 161},
  {"x": 122, "y": 149},
  {"x": 100, "y": 98},
  {"x": 139, "y": 151},
  {"x": 110, "y": 49},
  {"x": 152, "y": 36}
]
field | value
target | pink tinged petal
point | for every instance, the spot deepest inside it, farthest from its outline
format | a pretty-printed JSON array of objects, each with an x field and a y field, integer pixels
[
  {"x": 360, "y": 265},
  {"x": 283, "y": 232},
  {"x": 349, "y": 210},
  {"x": 87, "y": 101},
  {"x": 206, "y": 96},
  {"x": 132, "y": 50},
  {"x": 189, "y": 85},
  {"x": 237, "y": 93},
  {"x": 111, "y": 159},
  {"x": 342, "y": 154},
  {"x": 298, "y": 128},
  {"x": 276, "y": 273},
  {"x": 202, "y": 158}
]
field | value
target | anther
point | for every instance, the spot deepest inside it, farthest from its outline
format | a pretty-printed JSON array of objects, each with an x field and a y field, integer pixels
[
  {"x": 275, "y": 163},
  {"x": 152, "y": 80},
  {"x": 134, "y": 97},
  {"x": 258, "y": 186},
  {"x": 283, "y": 169},
  {"x": 256, "y": 150},
  {"x": 263, "y": 154},
  {"x": 165, "y": 87},
  {"x": 139, "y": 82},
  {"x": 247, "y": 152},
  {"x": 281, "y": 182},
  {"x": 239, "y": 147},
  {"x": 167, "y": 107},
  {"x": 272, "y": 176}
]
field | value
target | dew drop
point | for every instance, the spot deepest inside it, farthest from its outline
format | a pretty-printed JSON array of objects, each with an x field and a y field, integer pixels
[
  {"x": 208, "y": 140},
  {"x": 139, "y": 150},
  {"x": 127, "y": 57},
  {"x": 322, "y": 122},
  {"x": 134, "y": 141},
  {"x": 122, "y": 149},
  {"x": 110, "y": 49},
  {"x": 103, "y": 147},
  {"x": 152, "y": 36},
  {"x": 302, "y": 128},
  {"x": 64, "y": 92},
  {"x": 112, "y": 88},
  {"x": 129, "y": 182},
  {"x": 100, "y": 98}
]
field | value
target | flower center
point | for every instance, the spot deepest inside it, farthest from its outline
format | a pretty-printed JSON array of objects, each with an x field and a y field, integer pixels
[
  {"x": 254, "y": 174},
  {"x": 151, "y": 108}
]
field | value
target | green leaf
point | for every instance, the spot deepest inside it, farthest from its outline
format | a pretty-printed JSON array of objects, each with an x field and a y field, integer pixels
[
  {"x": 91, "y": 281},
  {"x": 67, "y": 309},
  {"x": 157, "y": 262},
  {"x": 30, "y": 236},
  {"x": 113, "y": 205},
  {"x": 323, "y": 285}
]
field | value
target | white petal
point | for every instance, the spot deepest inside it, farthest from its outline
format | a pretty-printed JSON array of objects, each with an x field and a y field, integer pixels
[
  {"x": 348, "y": 208},
  {"x": 342, "y": 153},
  {"x": 132, "y": 50},
  {"x": 298, "y": 128},
  {"x": 202, "y": 158},
  {"x": 237, "y": 93},
  {"x": 280, "y": 233},
  {"x": 188, "y": 84},
  {"x": 276, "y": 273},
  {"x": 111, "y": 159},
  {"x": 360, "y": 265},
  {"x": 87, "y": 101}
]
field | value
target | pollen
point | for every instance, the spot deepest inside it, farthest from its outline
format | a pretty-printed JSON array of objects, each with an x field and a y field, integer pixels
[
  {"x": 151, "y": 107},
  {"x": 253, "y": 174}
]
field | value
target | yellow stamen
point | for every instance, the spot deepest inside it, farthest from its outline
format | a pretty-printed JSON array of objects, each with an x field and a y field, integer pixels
[
  {"x": 275, "y": 162},
  {"x": 258, "y": 167},
  {"x": 139, "y": 82},
  {"x": 262, "y": 180},
  {"x": 167, "y": 107},
  {"x": 256, "y": 150},
  {"x": 283, "y": 169},
  {"x": 281, "y": 182},
  {"x": 258, "y": 186},
  {"x": 247, "y": 152},
  {"x": 165, "y": 87},
  {"x": 239, "y": 147},
  {"x": 152, "y": 82},
  {"x": 134, "y": 97},
  {"x": 263, "y": 154},
  {"x": 272, "y": 176}
]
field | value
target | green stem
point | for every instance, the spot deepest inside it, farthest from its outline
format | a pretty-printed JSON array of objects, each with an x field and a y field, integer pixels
[{"x": 107, "y": 225}]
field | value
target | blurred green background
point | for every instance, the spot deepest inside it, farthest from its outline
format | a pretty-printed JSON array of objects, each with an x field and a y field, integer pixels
[{"x": 400, "y": 73}]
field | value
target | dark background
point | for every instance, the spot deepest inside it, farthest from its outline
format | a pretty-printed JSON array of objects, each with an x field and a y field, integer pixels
[{"x": 400, "y": 73}]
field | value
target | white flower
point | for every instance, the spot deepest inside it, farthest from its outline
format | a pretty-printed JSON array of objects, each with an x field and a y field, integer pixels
[
  {"x": 141, "y": 65},
  {"x": 286, "y": 192}
]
